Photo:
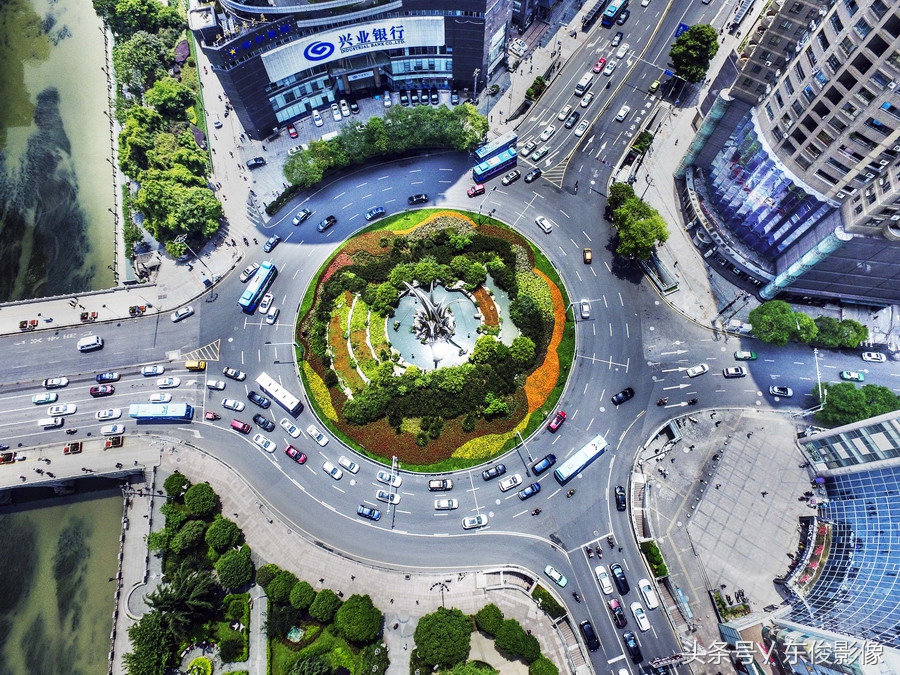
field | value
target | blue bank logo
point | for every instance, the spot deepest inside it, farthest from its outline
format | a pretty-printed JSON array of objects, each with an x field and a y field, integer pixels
[{"x": 317, "y": 51}]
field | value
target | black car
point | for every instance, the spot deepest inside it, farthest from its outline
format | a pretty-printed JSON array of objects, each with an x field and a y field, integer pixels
[
  {"x": 414, "y": 97},
  {"x": 325, "y": 224},
  {"x": 256, "y": 162},
  {"x": 533, "y": 175},
  {"x": 354, "y": 107},
  {"x": 624, "y": 395},
  {"x": 620, "y": 498},
  {"x": 417, "y": 199},
  {"x": 494, "y": 472},
  {"x": 404, "y": 97},
  {"x": 529, "y": 491},
  {"x": 368, "y": 512},
  {"x": 631, "y": 644},
  {"x": 542, "y": 465},
  {"x": 617, "y": 39},
  {"x": 454, "y": 97},
  {"x": 624, "y": 17},
  {"x": 104, "y": 378},
  {"x": 263, "y": 422},
  {"x": 271, "y": 243},
  {"x": 573, "y": 119},
  {"x": 434, "y": 97},
  {"x": 619, "y": 577},
  {"x": 261, "y": 401},
  {"x": 590, "y": 636}
]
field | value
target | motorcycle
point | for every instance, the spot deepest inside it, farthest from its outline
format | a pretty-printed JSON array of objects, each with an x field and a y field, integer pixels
[
  {"x": 4, "y": 446},
  {"x": 611, "y": 541},
  {"x": 599, "y": 552},
  {"x": 576, "y": 596},
  {"x": 590, "y": 551},
  {"x": 570, "y": 492},
  {"x": 693, "y": 401},
  {"x": 254, "y": 240},
  {"x": 535, "y": 512},
  {"x": 662, "y": 401},
  {"x": 246, "y": 243}
]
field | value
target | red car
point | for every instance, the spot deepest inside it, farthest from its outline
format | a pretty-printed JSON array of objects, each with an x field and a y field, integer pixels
[
  {"x": 599, "y": 67},
  {"x": 103, "y": 390},
  {"x": 292, "y": 132},
  {"x": 475, "y": 190},
  {"x": 295, "y": 454},
  {"x": 557, "y": 421}
]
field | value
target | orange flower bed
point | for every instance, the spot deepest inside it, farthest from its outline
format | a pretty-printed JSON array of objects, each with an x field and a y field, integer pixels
[
  {"x": 487, "y": 307},
  {"x": 541, "y": 382}
]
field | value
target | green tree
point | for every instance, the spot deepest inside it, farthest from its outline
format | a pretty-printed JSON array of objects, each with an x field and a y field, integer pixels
[
  {"x": 190, "y": 534},
  {"x": 833, "y": 333},
  {"x": 170, "y": 97},
  {"x": 619, "y": 194},
  {"x": 510, "y": 638},
  {"x": 313, "y": 665},
  {"x": 186, "y": 598},
  {"x": 222, "y": 534},
  {"x": 140, "y": 60},
  {"x": 522, "y": 352},
  {"x": 137, "y": 138},
  {"x": 485, "y": 349},
  {"x": 542, "y": 666},
  {"x": 640, "y": 229},
  {"x": 806, "y": 329},
  {"x": 324, "y": 607},
  {"x": 495, "y": 406},
  {"x": 302, "y": 595},
  {"x": 358, "y": 620},
  {"x": 471, "y": 668},
  {"x": 773, "y": 322},
  {"x": 234, "y": 568},
  {"x": 266, "y": 573},
  {"x": 845, "y": 403},
  {"x": 443, "y": 637},
  {"x": 201, "y": 499},
  {"x": 489, "y": 619},
  {"x": 175, "y": 484},
  {"x": 279, "y": 589},
  {"x": 693, "y": 50},
  {"x": 428, "y": 270},
  {"x": 152, "y": 646}
]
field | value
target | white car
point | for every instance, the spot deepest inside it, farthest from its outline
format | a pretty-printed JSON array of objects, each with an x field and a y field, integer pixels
[
  {"x": 152, "y": 371},
  {"x": 389, "y": 478},
  {"x": 272, "y": 315},
  {"x": 585, "y": 305},
  {"x": 112, "y": 429},
  {"x": 389, "y": 497},
  {"x": 109, "y": 414},
  {"x": 586, "y": 99},
  {"x": 161, "y": 398},
  {"x": 289, "y": 427},
  {"x": 215, "y": 385},
  {"x": 623, "y": 113},
  {"x": 564, "y": 113},
  {"x": 332, "y": 470},
  {"x": 56, "y": 382},
  {"x": 699, "y": 369},
  {"x": 349, "y": 464},
  {"x": 645, "y": 3},
  {"x": 232, "y": 404},
  {"x": 335, "y": 112},
  {"x": 603, "y": 579},
  {"x": 446, "y": 504},
  {"x": 266, "y": 303},
  {"x": 182, "y": 313},
  {"x": 266, "y": 444},
  {"x": 610, "y": 67},
  {"x": 548, "y": 132},
  {"x": 345, "y": 109},
  {"x": 649, "y": 594},
  {"x": 47, "y": 397},
  {"x": 581, "y": 128},
  {"x": 510, "y": 482},
  {"x": 874, "y": 357},
  {"x": 62, "y": 409},
  {"x": 168, "y": 382},
  {"x": 471, "y": 522},
  {"x": 623, "y": 50},
  {"x": 387, "y": 99},
  {"x": 317, "y": 118},
  {"x": 640, "y": 616},
  {"x": 544, "y": 224},
  {"x": 556, "y": 576},
  {"x": 317, "y": 435}
]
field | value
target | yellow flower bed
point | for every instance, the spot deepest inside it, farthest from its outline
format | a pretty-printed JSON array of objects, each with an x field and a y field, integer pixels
[
  {"x": 319, "y": 392},
  {"x": 433, "y": 216},
  {"x": 541, "y": 382},
  {"x": 484, "y": 447}
]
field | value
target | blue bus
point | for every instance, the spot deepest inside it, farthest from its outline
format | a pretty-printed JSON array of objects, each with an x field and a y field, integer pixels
[
  {"x": 613, "y": 12},
  {"x": 595, "y": 447},
  {"x": 258, "y": 286},
  {"x": 161, "y": 412},
  {"x": 496, "y": 146},
  {"x": 495, "y": 165}
]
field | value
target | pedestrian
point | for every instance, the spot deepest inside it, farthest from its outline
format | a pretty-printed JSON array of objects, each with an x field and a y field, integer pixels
[
  {"x": 749, "y": 434},
  {"x": 672, "y": 460},
  {"x": 764, "y": 493},
  {"x": 718, "y": 485},
  {"x": 676, "y": 141},
  {"x": 230, "y": 153}
]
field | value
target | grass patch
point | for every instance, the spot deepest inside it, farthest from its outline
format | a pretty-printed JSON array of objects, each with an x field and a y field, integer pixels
[{"x": 378, "y": 334}]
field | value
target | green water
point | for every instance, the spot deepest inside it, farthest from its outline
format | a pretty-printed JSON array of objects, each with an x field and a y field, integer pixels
[{"x": 56, "y": 600}]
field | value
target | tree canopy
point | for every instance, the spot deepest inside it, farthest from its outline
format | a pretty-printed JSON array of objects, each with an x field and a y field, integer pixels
[
  {"x": 640, "y": 229},
  {"x": 302, "y": 595},
  {"x": 222, "y": 534},
  {"x": 279, "y": 589},
  {"x": 324, "y": 607},
  {"x": 846, "y": 403},
  {"x": 201, "y": 499},
  {"x": 152, "y": 646},
  {"x": 358, "y": 619},
  {"x": 692, "y": 52},
  {"x": 234, "y": 568},
  {"x": 443, "y": 637}
]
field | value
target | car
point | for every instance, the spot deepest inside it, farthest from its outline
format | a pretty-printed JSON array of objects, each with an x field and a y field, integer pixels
[
  {"x": 388, "y": 497},
  {"x": 325, "y": 224},
  {"x": 699, "y": 369},
  {"x": 598, "y": 67},
  {"x": 494, "y": 472},
  {"x": 112, "y": 429},
  {"x": 272, "y": 315},
  {"x": 618, "y": 614},
  {"x": 510, "y": 482},
  {"x": 548, "y": 132},
  {"x": 625, "y": 395},
  {"x": 104, "y": 378},
  {"x": 348, "y": 464},
  {"x": 152, "y": 371},
  {"x": 631, "y": 644},
  {"x": 623, "y": 17},
  {"x": 530, "y": 491},
  {"x": 540, "y": 153},
  {"x": 47, "y": 397},
  {"x": 292, "y": 130},
  {"x": 533, "y": 175},
  {"x": 556, "y": 576},
  {"x": 354, "y": 107},
  {"x": 874, "y": 357},
  {"x": 587, "y": 256},
  {"x": 584, "y": 308},
  {"x": 620, "y": 498},
  {"x": 736, "y": 371},
  {"x": 332, "y": 470},
  {"x": 434, "y": 97},
  {"x": 317, "y": 435},
  {"x": 336, "y": 112},
  {"x": 745, "y": 356},
  {"x": 389, "y": 478},
  {"x": 617, "y": 39},
  {"x": 215, "y": 385},
  {"x": 182, "y": 313},
  {"x": 317, "y": 118},
  {"x": 783, "y": 392},
  {"x": 56, "y": 382},
  {"x": 295, "y": 454},
  {"x": 654, "y": 87},
  {"x": 232, "y": 404},
  {"x": 375, "y": 212},
  {"x": 472, "y": 522},
  {"x": 649, "y": 594},
  {"x": 258, "y": 399},
  {"x": 302, "y": 215},
  {"x": 266, "y": 302},
  {"x": 368, "y": 512},
  {"x": 603, "y": 579},
  {"x": 518, "y": 47},
  {"x": 563, "y": 113},
  {"x": 572, "y": 119},
  {"x": 102, "y": 390},
  {"x": 404, "y": 98},
  {"x": 618, "y": 575},
  {"x": 623, "y": 50},
  {"x": 264, "y": 422},
  {"x": 234, "y": 374},
  {"x": 557, "y": 421},
  {"x": 475, "y": 190},
  {"x": 581, "y": 128},
  {"x": 289, "y": 427},
  {"x": 527, "y": 149},
  {"x": 109, "y": 414},
  {"x": 610, "y": 68},
  {"x": 248, "y": 272},
  {"x": 160, "y": 398},
  {"x": 256, "y": 162},
  {"x": 590, "y": 635},
  {"x": 545, "y": 225},
  {"x": 623, "y": 113},
  {"x": 645, "y": 3},
  {"x": 454, "y": 97},
  {"x": 266, "y": 444},
  {"x": 271, "y": 243},
  {"x": 417, "y": 199},
  {"x": 168, "y": 382},
  {"x": 512, "y": 176},
  {"x": 852, "y": 376},
  {"x": 440, "y": 484},
  {"x": 446, "y": 504},
  {"x": 586, "y": 99},
  {"x": 62, "y": 409}
]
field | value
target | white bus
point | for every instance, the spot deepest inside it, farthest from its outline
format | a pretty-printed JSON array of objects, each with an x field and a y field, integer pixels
[
  {"x": 595, "y": 447},
  {"x": 284, "y": 398},
  {"x": 584, "y": 85}
]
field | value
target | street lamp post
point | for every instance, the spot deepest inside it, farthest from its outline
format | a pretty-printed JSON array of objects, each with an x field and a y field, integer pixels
[
  {"x": 475, "y": 82},
  {"x": 182, "y": 239}
]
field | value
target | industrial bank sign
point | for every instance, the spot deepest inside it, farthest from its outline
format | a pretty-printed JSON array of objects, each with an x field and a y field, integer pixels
[{"x": 353, "y": 41}]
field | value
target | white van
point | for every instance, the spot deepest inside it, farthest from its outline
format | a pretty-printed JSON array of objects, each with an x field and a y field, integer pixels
[
  {"x": 50, "y": 422},
  {"x": 649, "y": 594},
  {"x": 90, "y": 343},
  {"x": 584, "y": 84}
]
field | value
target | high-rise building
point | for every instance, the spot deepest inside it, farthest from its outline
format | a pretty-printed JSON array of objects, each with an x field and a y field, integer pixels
[{"x": 792, "y": 180}]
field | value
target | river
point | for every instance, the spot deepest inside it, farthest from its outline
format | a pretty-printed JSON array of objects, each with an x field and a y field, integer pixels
[{"x": 56, "y": 185}]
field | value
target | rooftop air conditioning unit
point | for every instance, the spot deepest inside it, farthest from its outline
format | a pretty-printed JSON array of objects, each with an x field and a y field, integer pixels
[
  {"x": 892, "y": 85},
  {"x": 883, "y": 162},
  {"x": 768, "y": 64},
  {"x": 870, "y": 176},
  {"x": 895, "y": 218},
  {"x": 840, "y": 195},
  {"x": 896, "y": 148}
]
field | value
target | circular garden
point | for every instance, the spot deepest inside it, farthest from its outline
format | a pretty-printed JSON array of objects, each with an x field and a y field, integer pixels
[{"x": 435, "y": 339}]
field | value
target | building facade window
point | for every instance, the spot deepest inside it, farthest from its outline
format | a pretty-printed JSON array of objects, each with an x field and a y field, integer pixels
[{"x": 862, "y": 28}]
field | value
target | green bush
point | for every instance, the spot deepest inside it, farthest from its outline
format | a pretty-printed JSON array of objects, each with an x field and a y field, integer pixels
[
  {"x": 489, "y": 619},
  {"x": 222, "y": 534},
  {"x": 654, "y": 559},
  {"x": 279, "y": 589},
  {"x": 547, "y": 602},
  {"x": 542, "y": 666},
  {"x": 234, "y": 568},
  {"x": 175, "y": 484},
  {"x": 266, "y": 573},
  {"x": 201, "y": 500},
  {"x": 324, "y": 607},
  {"x": 302, "y": 595}
]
